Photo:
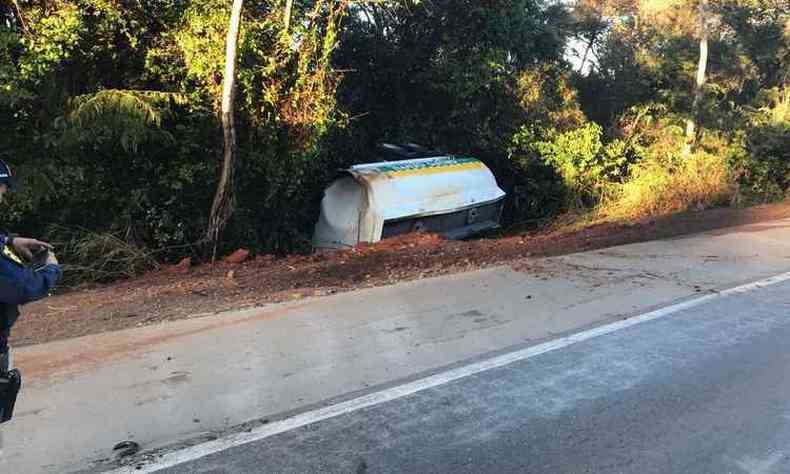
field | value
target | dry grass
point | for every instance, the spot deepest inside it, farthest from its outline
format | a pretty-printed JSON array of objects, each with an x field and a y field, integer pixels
[
  {"x": 698, "y": 181},
  {"x": 90, "y": 257}
]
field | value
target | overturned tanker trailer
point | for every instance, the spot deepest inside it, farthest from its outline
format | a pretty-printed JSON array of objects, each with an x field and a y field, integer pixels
[{"x": 454, "y": 196}]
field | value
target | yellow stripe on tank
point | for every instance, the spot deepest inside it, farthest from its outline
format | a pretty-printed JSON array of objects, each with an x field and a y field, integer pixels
[{"x": 437, "y": 169}]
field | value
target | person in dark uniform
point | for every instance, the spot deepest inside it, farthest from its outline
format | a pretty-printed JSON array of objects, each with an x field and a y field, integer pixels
[{"x": 28, "y": 271}]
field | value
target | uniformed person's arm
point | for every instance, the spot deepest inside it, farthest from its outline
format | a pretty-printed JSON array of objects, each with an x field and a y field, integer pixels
[{"x": 20, "y": 285}]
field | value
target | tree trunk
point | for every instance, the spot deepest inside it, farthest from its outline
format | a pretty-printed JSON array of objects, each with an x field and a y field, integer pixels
[
  {"x": 693, "y": 121},
  {"x": 17, "y": 12},
  {"x": 587, "y": 51},
  {"x": 222, "y": 208},
  {"x": 288, "y": 7}
]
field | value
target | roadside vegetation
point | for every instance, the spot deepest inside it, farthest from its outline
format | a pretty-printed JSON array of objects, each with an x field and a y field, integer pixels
[{"x": 603, "y": 110}]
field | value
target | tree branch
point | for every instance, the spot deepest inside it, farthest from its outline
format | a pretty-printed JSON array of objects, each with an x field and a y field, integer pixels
[{"x": 19, "y": 18}]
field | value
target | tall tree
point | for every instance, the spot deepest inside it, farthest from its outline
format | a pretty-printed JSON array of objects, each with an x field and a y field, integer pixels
[
  {"x": 702, "y": 65},
  {"x": 222, "y": 208},
  {"x": 288, "y": 8},
  {"x": 593, "y": 20}
]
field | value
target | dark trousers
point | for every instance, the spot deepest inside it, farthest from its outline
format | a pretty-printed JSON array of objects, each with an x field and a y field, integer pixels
[{"x": 4, "y": 335}]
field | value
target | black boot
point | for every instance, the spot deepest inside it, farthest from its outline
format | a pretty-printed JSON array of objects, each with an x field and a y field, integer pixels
[{"x": 10, "y": 383}]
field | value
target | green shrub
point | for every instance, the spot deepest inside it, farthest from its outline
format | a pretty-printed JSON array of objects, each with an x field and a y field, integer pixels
[
  {"x": 764, "y": 166},
  {"x": 587, "y": 167}
]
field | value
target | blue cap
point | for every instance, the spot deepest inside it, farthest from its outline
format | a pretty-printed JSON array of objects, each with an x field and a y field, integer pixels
[{"x": 6, "y": 176}]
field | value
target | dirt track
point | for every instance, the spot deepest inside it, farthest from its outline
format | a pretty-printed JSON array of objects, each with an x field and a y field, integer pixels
[{"x": 176, "y": 294}]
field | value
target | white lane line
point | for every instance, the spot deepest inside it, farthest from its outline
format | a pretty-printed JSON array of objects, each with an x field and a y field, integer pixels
[{"x": 201, "y": 450}]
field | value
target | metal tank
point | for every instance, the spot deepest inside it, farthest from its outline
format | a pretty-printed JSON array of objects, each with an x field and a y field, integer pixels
[{"x": 454, "y": 196}]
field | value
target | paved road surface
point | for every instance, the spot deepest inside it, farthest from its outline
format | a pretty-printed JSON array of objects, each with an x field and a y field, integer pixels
[
  {"x": 179, "y": 382},
  {"x": 704, "y": 390}
]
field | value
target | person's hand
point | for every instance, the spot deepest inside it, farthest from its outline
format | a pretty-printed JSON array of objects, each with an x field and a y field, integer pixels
[
  {"x": 51, "y": 259},
  {"x": 27, "y": 248}
]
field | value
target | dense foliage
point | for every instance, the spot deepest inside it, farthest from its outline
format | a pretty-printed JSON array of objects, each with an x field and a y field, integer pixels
[{"x": 109, "y": 109}]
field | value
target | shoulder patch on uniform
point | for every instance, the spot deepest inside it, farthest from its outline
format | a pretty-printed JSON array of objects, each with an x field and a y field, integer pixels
[{"x": 9, "y": 254}]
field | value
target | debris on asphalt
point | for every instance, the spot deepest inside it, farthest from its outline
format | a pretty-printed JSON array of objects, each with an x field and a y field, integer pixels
[{"x": 126, "y": 448}]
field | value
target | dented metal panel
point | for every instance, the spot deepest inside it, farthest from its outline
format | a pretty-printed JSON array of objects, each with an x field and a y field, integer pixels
[
  {"x": 390, "y": 193},
  {"x": 341, "y": 209}
]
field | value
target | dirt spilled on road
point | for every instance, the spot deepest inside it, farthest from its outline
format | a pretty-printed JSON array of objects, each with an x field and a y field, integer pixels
[{"x": 178, "y": 293}]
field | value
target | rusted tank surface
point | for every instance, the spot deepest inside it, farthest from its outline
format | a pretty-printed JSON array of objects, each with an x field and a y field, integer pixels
[{"x": 455, "y": 196}]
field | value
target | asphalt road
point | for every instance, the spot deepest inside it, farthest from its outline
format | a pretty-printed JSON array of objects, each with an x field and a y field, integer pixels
[{"x": 703, "y": 390}]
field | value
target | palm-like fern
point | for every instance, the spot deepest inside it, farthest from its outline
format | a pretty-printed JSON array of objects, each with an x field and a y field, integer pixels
[{"x": 132, "y": 117}]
